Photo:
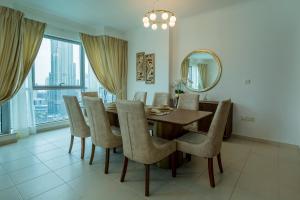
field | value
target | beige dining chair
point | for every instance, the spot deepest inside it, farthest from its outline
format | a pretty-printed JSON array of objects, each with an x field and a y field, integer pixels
[
  {"x": 140, "y": 96},
  {"x": 189, "y": 102},
  {"x": 78, "y": 125},
  {"x": 101, "y": 132},
  {"x": 161, "y": 99},
  {"x": 87, "y": 94},
  {"x": 208, "y": 146},
  {"x": 138, "y": 145}
]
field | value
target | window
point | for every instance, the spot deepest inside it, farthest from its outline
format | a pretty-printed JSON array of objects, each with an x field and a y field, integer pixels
[{"x": 61, "y": 68}]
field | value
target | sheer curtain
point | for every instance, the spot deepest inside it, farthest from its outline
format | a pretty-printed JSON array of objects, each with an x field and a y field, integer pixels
[{"x": 22, "y": 111}]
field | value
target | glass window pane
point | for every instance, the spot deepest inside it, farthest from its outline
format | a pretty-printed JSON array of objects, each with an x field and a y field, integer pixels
[
  {"x": 57, "y": 64},
  {"x": 49, "y": 104}
]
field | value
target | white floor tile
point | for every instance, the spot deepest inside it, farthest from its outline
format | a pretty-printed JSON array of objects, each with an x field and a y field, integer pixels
[
  {"x": 63, "y": 192},
  {"x": 28, "y": 173},
  {"x": 40, "y": 167},
  {"x": 39, "y": 185},
  {"x": 10, "y": 194},
  {"x": 5, "y": 182}
]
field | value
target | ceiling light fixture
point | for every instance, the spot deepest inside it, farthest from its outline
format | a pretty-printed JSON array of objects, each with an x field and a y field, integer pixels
[{"x": 159, "y": 18}]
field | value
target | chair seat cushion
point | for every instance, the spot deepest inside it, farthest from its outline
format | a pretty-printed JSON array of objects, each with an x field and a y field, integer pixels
[
  {"x": 163, "y": 148},
  {"x": 193, "y": 138},
  {"x": 116, "y": 130},
  {"x": 193, "y": 143}
]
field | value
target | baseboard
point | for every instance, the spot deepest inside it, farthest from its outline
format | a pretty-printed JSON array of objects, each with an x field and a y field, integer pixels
[
  {"x": 265, "y": 141},
  {"x": 52, "y": 126},
  {"x": 8, "y": 139}
]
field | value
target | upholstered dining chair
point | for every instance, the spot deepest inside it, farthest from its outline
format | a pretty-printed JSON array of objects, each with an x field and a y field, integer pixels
[
  {"x": 161, "y": 99},
  {"x": 140, "y": 96},
  {"x": 78, "y": 125},
  {"x": 138, "y": 145},
  {"x": 208, "y": 146},
  {"x": 101, "y": 132},
  {"x": 189, "y": 102},
  {"x": 87, "y": 94}
]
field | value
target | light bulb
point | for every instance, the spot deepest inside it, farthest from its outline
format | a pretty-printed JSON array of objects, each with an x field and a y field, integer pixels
[
  {"x": 164, "y": 26},
  {"x": 154, "y": 26},
  {"x": 153, "y": 16},
  {"x": 145, "y": 19},
  {"x": 146, "y": 24},
  {"x": 173, "y": 19},
  {"x": 171, "y": 24},
  {"x": 164, "y": 16}
]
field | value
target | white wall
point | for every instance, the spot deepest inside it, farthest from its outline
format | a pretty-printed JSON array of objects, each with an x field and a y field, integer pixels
[
  {"x": 257, "y": 41},
  {"x": 144, "y": 40}
]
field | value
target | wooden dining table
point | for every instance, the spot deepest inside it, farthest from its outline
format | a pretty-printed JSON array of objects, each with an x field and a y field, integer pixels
[{"x": 169, "y": 126}]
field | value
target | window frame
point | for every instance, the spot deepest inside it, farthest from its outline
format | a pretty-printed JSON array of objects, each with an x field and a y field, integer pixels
[{"x": 62, "y": 87}]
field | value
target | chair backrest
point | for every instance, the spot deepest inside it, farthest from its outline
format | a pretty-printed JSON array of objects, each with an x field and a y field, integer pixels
[
  {"x": 140, "y": 96},
  {"x": 78, "y": 125},
  {"x": 101, "y": 132},
  {"x": 134, "y": 130},
  {"x": 188, "y": 101},
  {"x": 87, "y": 94},
  {"x": 161, "y": 99},
  {"x": 217, "y": 128}
]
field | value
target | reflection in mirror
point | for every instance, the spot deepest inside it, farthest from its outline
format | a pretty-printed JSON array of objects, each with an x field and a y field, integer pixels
[{"x": 201, "y": 70}]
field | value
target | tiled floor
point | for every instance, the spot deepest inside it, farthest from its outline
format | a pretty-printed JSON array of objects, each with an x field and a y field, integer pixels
[{"x": 39, "y": 167}]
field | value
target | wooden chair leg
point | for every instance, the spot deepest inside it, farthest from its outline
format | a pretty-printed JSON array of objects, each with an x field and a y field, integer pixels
[
  {"x": 147, "y": 174},
  {"x": 211, "y": 172},
  {"x": 92, "y": 154},
  {"x": 82, "y": 147},
  {"x": 106, "y": 160},
  {"x": 174, "y": 163},
  {"x": 124, "y": 169},
  {"x": 71, "y": 143},
  {"x": 115, "y": 150},
  {"x": 220, "y": 162}
]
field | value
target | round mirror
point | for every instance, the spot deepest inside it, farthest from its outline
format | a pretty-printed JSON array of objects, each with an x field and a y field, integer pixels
[{"x": 201, "y": 70}]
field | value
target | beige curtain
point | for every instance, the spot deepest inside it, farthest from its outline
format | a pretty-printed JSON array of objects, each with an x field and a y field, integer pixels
[
  {"x": 185, "y": 70},
  {"x": 108, "y": 57},
  {"x": 202, "y": 74},
  {"x": 20, "y": 40}
]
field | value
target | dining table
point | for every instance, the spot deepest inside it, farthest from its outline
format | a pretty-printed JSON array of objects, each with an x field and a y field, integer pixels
[{"x": 169, "y": 125}]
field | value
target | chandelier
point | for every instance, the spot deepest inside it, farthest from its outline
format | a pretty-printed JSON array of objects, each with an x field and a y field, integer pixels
[{"x": 162, "y": 18}]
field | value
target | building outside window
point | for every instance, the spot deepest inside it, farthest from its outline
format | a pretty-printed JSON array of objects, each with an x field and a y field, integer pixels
[{"x": 61, "y": 68}]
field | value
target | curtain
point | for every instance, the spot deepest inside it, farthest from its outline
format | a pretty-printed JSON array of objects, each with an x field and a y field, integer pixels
[
  {"x": 185, "y": 70},
  {"x": 20, "y": 40},
  {"x": 22, "y": 111},
  {"x": 202, "y": 74},
  {"x": 108, "y": 57}
]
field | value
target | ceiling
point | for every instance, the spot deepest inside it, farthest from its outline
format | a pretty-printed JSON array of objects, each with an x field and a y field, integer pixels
[{"x": 119, "y": 14}]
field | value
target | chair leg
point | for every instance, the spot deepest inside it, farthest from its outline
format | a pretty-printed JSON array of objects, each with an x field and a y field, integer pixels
[
  {"x": 211, "y": 172},
  {"x": 147, "y": 174},
  {"x": 115, "y": 150},
  {"x": 106, "y": 160},
  {"x": 220, "y": 162},
  {"x": 71, "y": 143},
  {"x": 124, "y": 169},
  {"x": 174, "y": 163},
  {"x": 92, "y": 154},
  {"x": 82, "y": 147}
]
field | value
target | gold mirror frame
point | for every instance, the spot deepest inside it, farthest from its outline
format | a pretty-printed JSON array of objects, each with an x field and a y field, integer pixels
[{"x": 216, "y": 58}]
